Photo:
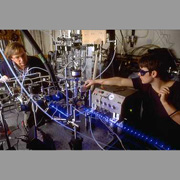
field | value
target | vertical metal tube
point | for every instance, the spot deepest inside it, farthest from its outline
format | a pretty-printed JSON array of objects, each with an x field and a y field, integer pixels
[
  {"x": 67, "y": 98},
  {"x": 90, "y": 98},
  {"x": 74, "y": 120},
  {"x": 70, "y": 109},
  {"x": 100, "y": 58},
  {"x": 34, "y": 113},
  {"x": 76, "y": 87},
  {"x": 95, "y": 68}
]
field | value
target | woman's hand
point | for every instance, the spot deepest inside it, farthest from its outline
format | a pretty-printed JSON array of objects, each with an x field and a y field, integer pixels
[
  {"x": 164, "y": 93},
  {"x": 89, "y": 83}
]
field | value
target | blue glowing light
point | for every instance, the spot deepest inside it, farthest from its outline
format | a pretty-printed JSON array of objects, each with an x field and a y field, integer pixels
[
  {"x": 128, "y": 129},
  {"x": 55, "y": 97},
  {"x": 58, "y": 110}
]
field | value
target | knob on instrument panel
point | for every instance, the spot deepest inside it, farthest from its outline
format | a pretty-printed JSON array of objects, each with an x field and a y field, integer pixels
[{"x": 111, "y": 97}]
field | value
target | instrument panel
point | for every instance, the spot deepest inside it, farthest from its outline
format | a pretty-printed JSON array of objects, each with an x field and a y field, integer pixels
[{"x": 111, "y": 100}]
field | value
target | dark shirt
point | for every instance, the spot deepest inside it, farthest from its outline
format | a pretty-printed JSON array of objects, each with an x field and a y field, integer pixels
[
  {"x": 155, "y": 119},
  {"x": 32, "y": 62}
]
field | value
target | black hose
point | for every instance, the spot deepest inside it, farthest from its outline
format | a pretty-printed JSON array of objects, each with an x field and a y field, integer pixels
[{"x": 41, "y": 56}]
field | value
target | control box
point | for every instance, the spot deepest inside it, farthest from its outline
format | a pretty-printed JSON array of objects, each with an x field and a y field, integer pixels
[{"x": 111, "y": 100}]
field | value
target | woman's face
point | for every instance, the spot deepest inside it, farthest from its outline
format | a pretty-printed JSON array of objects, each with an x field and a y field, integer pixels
[{"x": 145, "y": 75}]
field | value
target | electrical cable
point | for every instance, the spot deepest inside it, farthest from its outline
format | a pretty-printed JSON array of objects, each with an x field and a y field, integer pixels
[
  {"x": 31, "y": 74},
  {"x": 98, "y": 143},
  {"x": 35, "y": 101},
  {"x": 148, "y": 46},
  {"x": 32, "y": 69},
  {"x": 107, "y": 66},
  {"x": 114, "y": 134},
  {"x": 90, "y": 125}
]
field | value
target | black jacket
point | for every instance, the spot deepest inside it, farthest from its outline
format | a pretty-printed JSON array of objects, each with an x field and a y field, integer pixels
[
  {"x": 32, "y": 62},
  {"x": 155, "y": 119}
]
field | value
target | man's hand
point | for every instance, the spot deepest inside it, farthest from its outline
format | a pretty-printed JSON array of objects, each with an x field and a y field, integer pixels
[
  {"x": 89, "y": 83},
  {"x": 164, "y": 93},
  {"x": 3, "y": 79}
]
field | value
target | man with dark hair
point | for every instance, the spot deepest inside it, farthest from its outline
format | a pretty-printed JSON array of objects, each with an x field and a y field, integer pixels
[{"x": 160, "y": 94}]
